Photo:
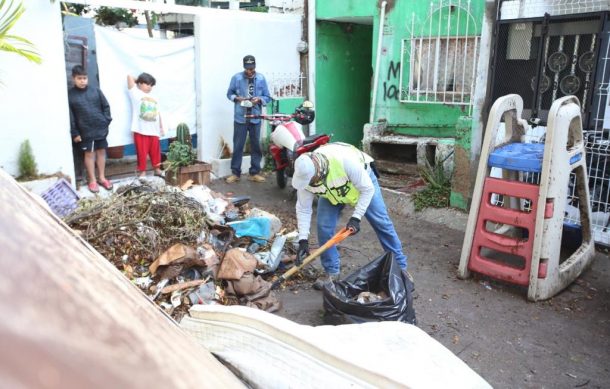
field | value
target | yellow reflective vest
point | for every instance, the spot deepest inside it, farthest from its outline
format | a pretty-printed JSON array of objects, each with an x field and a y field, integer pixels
[{"x": 337, "y": 188}]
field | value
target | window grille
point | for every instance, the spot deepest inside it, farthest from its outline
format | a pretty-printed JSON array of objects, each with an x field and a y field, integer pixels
[
  {"x": 282, "y": 85},
  {"x": 440, "y": 56}
]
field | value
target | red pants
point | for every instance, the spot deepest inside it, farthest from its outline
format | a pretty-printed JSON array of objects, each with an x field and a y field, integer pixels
[{"x": 147, "y": 145}]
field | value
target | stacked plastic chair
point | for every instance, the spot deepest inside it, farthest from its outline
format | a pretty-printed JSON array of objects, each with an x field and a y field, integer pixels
[{"x": 515, "y": 227}]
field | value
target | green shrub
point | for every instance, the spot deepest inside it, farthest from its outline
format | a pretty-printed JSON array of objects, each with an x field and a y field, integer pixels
[
  {"x": 437, "y": 192},
  {"x": 27, "y": 163},
  {"x": 179, "y": 154},
  {"x": 108, "y": 16},
  {"x": 257, "y": 9}
]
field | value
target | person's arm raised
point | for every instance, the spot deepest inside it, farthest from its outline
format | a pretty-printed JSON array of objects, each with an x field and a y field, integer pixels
[{"x": 131, "y": 82}]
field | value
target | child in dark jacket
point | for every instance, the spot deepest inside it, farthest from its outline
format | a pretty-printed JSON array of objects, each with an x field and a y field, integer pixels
[{"x": 89, "y": 120}]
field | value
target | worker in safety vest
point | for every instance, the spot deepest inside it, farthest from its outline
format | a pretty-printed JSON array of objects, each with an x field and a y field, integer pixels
[{"x": 340, "y": 175}]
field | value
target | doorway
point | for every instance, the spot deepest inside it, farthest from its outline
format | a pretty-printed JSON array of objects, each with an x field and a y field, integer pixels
[{"x": 343, "y": 79}]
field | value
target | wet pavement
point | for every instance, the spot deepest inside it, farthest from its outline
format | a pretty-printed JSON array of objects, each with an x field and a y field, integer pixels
[{"x": 563, "y": 342}]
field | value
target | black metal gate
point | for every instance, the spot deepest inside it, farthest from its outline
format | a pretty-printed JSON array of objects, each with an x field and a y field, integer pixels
[
  {"x": 545, "y": 59},
  {"x": 544, "y": 50}
]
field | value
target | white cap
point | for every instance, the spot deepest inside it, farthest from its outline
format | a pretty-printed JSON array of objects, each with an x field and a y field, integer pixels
[{"x": 304, "y": 170}]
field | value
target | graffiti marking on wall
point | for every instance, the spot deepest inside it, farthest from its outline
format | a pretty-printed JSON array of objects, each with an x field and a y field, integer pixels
[{"x": 390, "y": 89}]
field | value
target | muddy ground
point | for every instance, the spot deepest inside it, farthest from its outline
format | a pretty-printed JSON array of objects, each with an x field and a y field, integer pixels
[{"x": 512, "y": 343}]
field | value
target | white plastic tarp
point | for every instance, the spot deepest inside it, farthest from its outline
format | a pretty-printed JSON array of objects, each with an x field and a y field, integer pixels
[{"x": 171, "y": 62}]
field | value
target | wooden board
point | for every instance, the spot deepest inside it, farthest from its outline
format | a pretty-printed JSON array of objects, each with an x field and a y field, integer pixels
[{"x": 71, "y": 319}]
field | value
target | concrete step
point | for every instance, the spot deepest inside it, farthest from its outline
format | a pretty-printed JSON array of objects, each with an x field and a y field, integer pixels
[{"x": 394, "y": 167}]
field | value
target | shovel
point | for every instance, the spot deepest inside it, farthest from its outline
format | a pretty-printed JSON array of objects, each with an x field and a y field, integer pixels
[{"x": 339, "y": 236}]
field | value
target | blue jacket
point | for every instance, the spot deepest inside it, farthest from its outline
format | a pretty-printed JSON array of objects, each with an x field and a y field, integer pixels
[
  {"x": 239, "y": 87},
  {"x": 89, "y": 113}
]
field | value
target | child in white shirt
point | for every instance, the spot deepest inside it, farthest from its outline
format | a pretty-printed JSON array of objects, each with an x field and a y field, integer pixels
[{"x": 146, "y": 123}]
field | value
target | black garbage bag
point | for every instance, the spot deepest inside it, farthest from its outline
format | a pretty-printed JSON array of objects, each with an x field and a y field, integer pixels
[{"x": 383, "y": 277}]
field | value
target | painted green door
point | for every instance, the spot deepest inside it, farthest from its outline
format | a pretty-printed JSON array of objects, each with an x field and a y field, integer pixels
[{"x": 343, "y": 80}]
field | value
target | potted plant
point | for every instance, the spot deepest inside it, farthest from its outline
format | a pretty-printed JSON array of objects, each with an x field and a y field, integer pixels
[
  {"x": 181, "y": 164},
  {"x": 115, "y": 152}
]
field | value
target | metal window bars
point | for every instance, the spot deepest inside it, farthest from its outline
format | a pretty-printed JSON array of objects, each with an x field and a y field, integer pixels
[
  {"x": 597, "y": 141},
  {"x": 440, "y": 56},
  {"x": 598, "y": 148},
  {"x": 283, "y": 85}
]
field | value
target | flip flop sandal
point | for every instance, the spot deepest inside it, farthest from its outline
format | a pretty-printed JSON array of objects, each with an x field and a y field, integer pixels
[
  {"x": 106, "y": 184},
  {"x": 162, "y": 174},
  {"x": 93, "y": 188}
]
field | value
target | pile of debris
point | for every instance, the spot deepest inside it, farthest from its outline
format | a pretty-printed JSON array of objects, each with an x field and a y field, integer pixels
[{"x": 187, "y": 247}]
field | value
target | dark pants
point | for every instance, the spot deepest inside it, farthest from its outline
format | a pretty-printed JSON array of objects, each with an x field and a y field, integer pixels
[
  {"x": 79, "y": 164},
  {"x": 240, "y": 132}
]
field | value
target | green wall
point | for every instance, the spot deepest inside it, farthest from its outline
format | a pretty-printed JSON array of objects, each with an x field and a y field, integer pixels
[
  {"x": 285, "y": 105},
  {"x": 343, "y": 80},
  {"x": 338, "y": 65},
  {"x": 332, "y": 9},
  {"x": 435, "y": 120}
]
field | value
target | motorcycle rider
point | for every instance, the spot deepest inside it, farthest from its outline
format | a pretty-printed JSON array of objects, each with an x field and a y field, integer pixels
[{"x": 340, "y": 175}]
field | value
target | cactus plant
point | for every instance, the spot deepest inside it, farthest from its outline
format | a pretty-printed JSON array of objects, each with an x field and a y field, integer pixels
[
  {"x": 183, "y": 134},
  {"x": 181, "y": 152}
]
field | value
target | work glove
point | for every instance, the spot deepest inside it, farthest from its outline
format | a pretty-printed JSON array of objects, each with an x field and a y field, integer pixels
[
  {"x": 303, "y": 251},
  {"x": 354, "y": 225}
]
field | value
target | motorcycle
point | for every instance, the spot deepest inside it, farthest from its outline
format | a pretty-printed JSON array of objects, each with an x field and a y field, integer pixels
[{"x": 288, "y": 141}]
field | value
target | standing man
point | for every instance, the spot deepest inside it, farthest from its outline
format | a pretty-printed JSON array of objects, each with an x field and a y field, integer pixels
[
  {"x": 249, "y": 92},
  {"x": 340, "y": 174}
]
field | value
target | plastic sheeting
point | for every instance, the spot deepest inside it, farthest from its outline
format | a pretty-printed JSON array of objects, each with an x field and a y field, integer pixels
[
  {"x": 258, "y": 228},
  {"x": 170, "y": 61}
]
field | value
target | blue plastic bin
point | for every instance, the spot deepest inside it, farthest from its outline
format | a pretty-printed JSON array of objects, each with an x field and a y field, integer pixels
[{"x": 524, "y": 157}]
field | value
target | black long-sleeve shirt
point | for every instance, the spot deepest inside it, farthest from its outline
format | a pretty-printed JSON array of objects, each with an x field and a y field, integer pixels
[{"x": 89, "y": 113}]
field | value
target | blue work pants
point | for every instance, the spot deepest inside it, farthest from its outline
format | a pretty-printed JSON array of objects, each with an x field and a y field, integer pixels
[
  {"x": 240, "y": 132},
  {"x": 376, "y": 214}
]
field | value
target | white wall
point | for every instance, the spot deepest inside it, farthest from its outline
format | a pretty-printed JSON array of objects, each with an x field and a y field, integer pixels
[
  {"x": 33, "y": 98},
  {"x": 223, "y": 38}
]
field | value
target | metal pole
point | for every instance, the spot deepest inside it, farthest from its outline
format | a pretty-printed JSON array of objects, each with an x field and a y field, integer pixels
[
  {"x": 377, "y": 61},
  {"x": 311, "y": 32}
]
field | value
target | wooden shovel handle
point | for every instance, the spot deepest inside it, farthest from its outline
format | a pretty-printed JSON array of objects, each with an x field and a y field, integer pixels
[{"x": 338, "y": 237}]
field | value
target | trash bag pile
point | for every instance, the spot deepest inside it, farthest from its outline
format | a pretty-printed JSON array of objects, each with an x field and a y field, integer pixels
[
  {"x": 187, "y": 247},
  {"x": 378, "y": 291}
]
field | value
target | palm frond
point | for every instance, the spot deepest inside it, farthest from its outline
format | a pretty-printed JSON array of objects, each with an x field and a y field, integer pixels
[
  {"x": 29, "y": 54},
  {"x": 9, "y": 15}
]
